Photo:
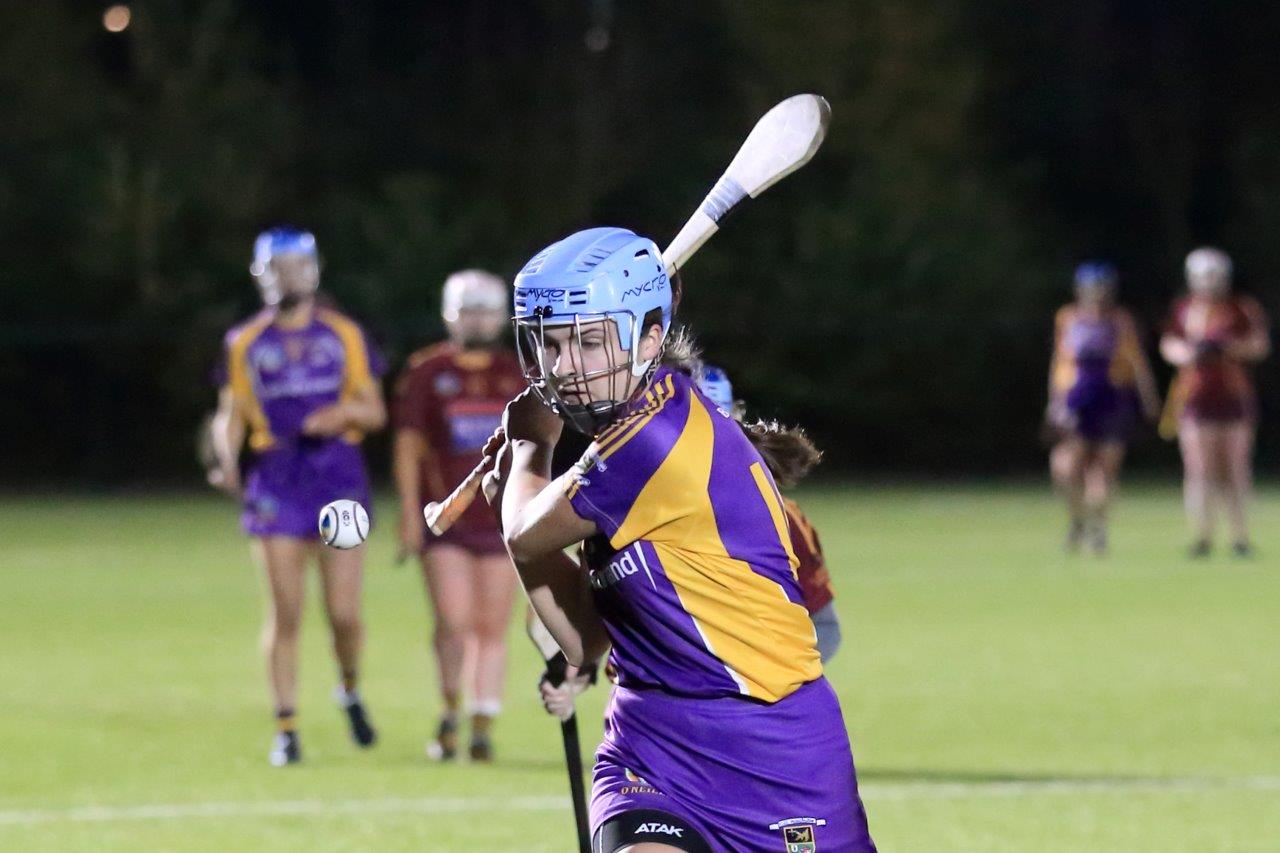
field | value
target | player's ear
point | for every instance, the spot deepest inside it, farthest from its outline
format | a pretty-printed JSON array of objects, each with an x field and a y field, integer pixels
[{"x": 651, "y": 343}]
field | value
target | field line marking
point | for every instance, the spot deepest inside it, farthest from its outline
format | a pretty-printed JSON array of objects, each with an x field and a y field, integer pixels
[
  {"x": 280, "y": 808},
  {"x": 1030, "y": 787},
  {"x": 454, "y": 805}
]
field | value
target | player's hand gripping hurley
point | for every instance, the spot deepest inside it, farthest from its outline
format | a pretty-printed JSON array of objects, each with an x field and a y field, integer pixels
[
  {"x": 556, "y": 674},
  {"x": 783, "y": 140}
]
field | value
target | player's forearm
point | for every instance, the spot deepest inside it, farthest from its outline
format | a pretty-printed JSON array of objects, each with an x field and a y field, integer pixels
[
  {"x": 529, "y": 474},
  {"x": 1146, "y": 382},
  {"x": 559, "y": 594},
  {"x": 406, "y": 468},
  {"x": 556, "y": 586},
  {"x": 227, "y": 432},
  {"x": 367, "y": 414},
  {"x": 1255, "y": 347},
  {"x": 1053, "y": 365}
]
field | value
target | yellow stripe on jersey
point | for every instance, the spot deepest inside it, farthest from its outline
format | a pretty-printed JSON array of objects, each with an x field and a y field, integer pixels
[
  {"x": 574, "y": 485},
  {"x": 764, "y": 640},
  {"x": 613, "y": 438},
  {"x": 1128, "y": 351},
  {"x": 657, "y": 398},
  {"x": 1064, "y": 363},
  {"x": 1120, "y": 371},
  {"x": 356, "y": 376},
  {"x": 776, "y": 512},
  {"x": 241, "y": 381},
  {"x": 611, "y": 432}
]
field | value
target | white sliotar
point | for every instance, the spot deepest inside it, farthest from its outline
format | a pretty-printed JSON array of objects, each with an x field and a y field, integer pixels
[{"x": 343, "y": 524}]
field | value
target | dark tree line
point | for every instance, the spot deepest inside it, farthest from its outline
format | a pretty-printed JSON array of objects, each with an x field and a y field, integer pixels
[{"x": 895, "y": 296}]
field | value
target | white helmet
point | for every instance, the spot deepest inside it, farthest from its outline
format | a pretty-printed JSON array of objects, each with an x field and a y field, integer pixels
[
  {"x": 1208, "y": 271},
  {"x": 475, "y": 290}
]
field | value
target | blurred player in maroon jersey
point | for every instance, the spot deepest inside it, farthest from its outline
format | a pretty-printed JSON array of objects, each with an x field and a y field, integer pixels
[
  {"x": 448, "y": 401},
  {"x": 1213, "y": 337}
]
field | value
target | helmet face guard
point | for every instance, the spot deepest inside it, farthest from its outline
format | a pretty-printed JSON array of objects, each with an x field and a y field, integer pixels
[
  {"x": 569, "y": 394},
  {"x": 608, "y": 278}
]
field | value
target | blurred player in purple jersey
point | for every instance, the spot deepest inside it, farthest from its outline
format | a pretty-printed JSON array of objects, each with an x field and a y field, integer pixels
[
  {"x": 722, "y": 733},
  {"x": 1099, "y": 383},
  {"x": 300, "y": 382},
  {"x": 449, "y": 400}
]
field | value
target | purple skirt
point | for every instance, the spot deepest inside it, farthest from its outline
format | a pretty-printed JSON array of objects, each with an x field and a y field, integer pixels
[
  {"x": 286, "y": 487},
  {"x": 748, "y": 775},
  {"x": 1100, "y": 411}
]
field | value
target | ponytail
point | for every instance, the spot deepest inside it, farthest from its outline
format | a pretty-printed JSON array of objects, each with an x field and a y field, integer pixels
[{"x": 787, "y": 451}]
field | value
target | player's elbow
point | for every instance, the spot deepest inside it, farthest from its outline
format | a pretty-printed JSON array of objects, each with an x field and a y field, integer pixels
[
  {"x": 522, "y": 546},
  {"x": 594, "y": 647}
]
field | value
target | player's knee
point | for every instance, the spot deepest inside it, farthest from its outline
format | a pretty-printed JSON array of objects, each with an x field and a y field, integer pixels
[
  {"x": 1063, "y": 462},
  {"x": 345, "y": 624},
  {"x": 451, "y": 625},
  {"x": 283, "y": 628},
  {"x": 490, "y": 630},
  {"x": 1194, "y": 469}
]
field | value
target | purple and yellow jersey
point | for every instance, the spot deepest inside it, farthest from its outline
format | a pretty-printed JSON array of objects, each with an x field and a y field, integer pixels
[
  {"x": 1105, "y": 348},
  {"x": 697, "y": 584},
  {"x": 279, "y": 375}
]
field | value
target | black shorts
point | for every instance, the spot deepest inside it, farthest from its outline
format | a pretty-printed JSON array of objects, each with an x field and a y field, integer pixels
[{"x": 637, "y": 825}]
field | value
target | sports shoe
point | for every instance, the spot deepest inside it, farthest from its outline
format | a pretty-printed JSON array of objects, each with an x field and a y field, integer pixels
[
  {"x": 362, "y": 731},
  {"x": 1199, "y": 549},
  {"x": 1075, "y": 536},
  {"x": 481, "y": 748},
  {"x": 285, "y": 749},
  {"x": 1097, "y": 538},
  {"x": 445, "y": 745}
]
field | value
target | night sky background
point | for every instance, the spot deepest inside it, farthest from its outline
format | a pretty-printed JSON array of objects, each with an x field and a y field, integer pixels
[{"x": 895, "y": 296}]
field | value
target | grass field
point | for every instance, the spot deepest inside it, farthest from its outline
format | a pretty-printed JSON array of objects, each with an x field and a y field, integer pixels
[{"x": 1000, "y": 696}]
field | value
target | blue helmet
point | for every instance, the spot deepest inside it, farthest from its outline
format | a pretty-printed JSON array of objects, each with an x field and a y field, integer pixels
[
  {"x": 715, "y": 383},
  {"x": 271, "y": 243},
  {"x": 1096, "y": 274},
  {"x": 594, "y": 275}
]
